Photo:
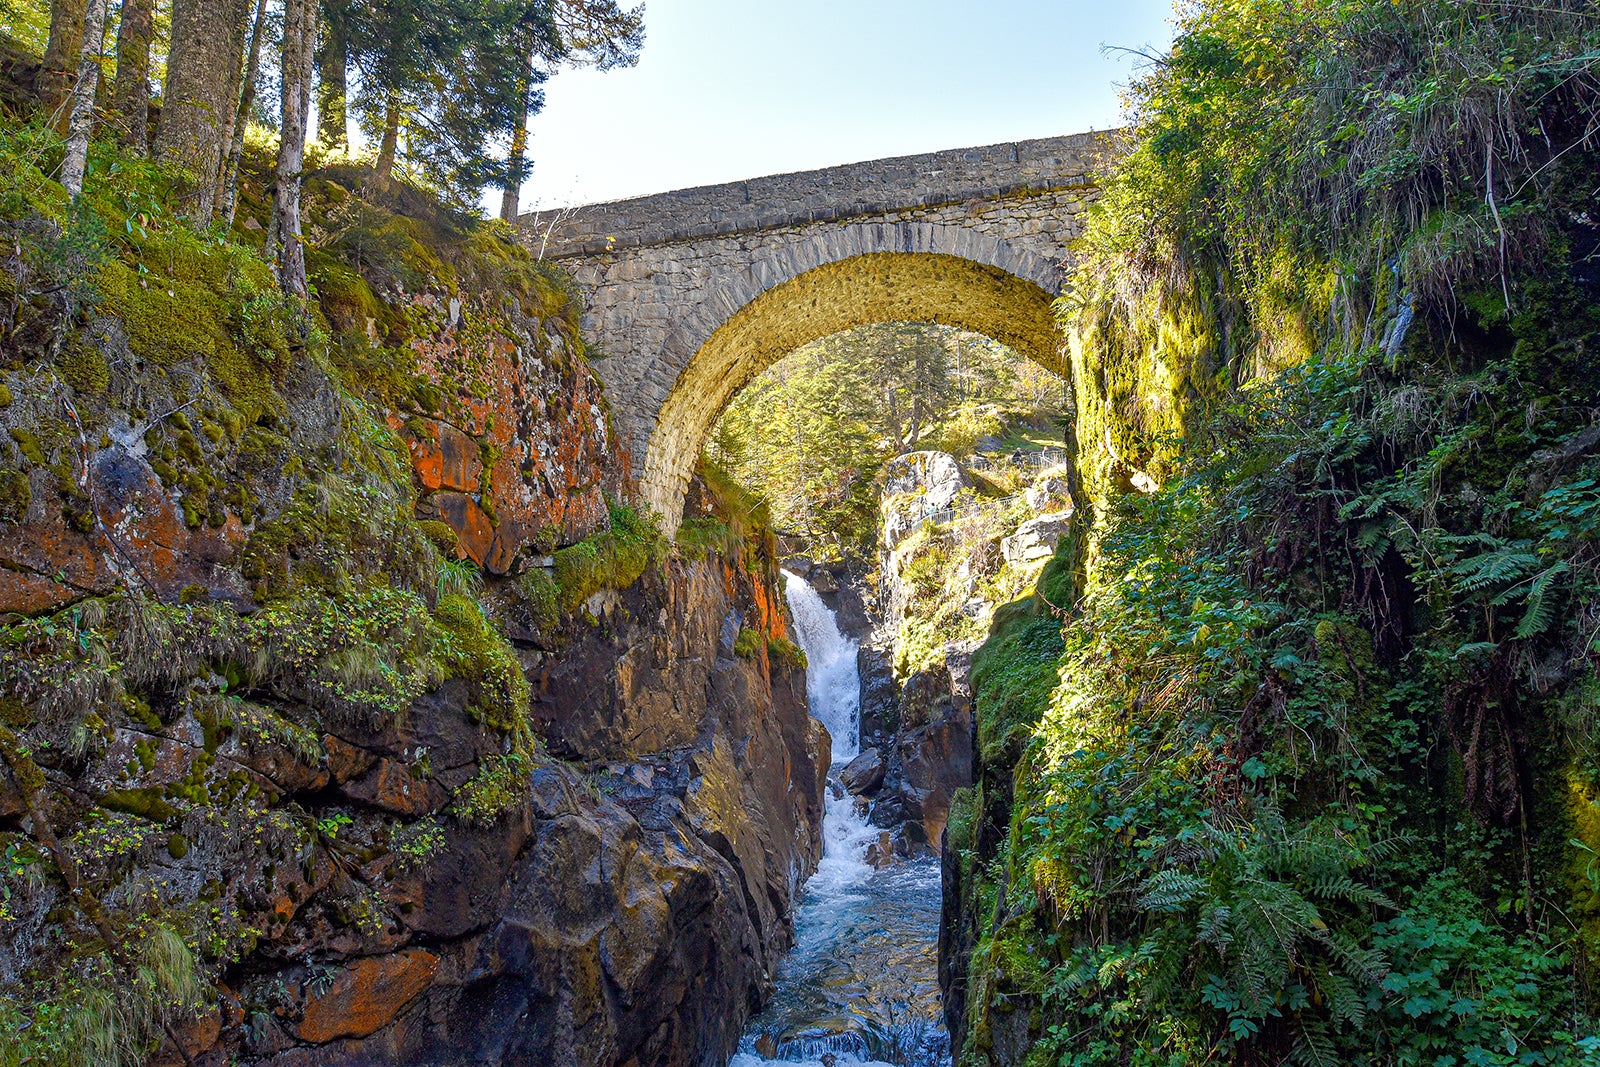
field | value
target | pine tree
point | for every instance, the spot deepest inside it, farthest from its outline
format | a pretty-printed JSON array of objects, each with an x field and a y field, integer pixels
[
  {"x": 204, "y": 68},
  {"x": 61, "y": 57},
  {"x": 130, "y": 101},
  {"x": 228, "y": 185},
  {"x": 548, "y": 34},
  {"x": 402, "y": 50},
  {"x": 333, "y": 71},
  {"x": 87, "y": 81},
  {"x": 299, "y": 49}
]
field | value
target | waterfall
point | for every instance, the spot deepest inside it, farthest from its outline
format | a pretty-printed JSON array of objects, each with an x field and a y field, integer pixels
[
  {"x": 833, "y": 684},
  {"x": 860, "y": 988}
]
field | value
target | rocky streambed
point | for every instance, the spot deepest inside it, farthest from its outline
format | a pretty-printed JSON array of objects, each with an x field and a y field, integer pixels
[{"x": 860, "y": 986}]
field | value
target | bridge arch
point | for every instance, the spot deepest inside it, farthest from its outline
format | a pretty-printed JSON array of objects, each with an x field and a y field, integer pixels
[
  {"x": 817, "y": 286},
  {"x": 688, "y": 294}
]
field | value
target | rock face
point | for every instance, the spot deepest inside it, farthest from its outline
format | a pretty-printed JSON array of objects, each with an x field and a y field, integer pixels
[
  {"x": 1036, "y": 539},
  {"x": 924, "y": 483},
  {"x": 929, "y": 757},
  {"x": 629, "y": 910},
  {"x": 525, "y": 453},
  {"x": 864, "y": 774},
  {"x": 385, "y": 818}
]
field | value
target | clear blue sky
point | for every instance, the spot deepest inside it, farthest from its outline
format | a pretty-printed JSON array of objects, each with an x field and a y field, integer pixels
[{"x": 730, "y": 89}]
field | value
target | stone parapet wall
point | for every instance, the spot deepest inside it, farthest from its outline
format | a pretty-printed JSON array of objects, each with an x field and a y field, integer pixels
[{"x": 879, "y": 187}]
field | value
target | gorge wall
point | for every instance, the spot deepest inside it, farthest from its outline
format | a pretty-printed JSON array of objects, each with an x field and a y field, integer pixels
[
  {"x": 347, "y": 714},
  {"x": 1291, "y": 756}
]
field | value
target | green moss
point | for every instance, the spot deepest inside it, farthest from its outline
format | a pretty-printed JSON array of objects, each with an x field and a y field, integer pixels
[
  {"x": 785, "y": 652},
  {"x": 85, "y": 368},
  {"x": 477, "y": 652},
  {"x": 500, "y": 784},
  {"x": 149, "y": 803},
  {"x": 611, "y": 560},
  {"x": 1583, "y": 879},
  {"x": 1013, "y": 674},
  {"x": 442, "y": 534},
  {"x": 138, "y": 709},
  {"x": 28, "y": 442},
  {"x": 344, "y": 294},
  {"x": 748, "y": 644},
  {"x": 14, "y": 713},
  {"x": 16, "y": 493},
  {"x": 199, "y": 315},
  {"x": 177, "y": 846},
  {"x": 5, "y": 396},
  {"x": 542, "y": 598}
]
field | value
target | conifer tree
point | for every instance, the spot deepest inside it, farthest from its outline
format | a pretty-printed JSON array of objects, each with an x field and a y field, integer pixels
[
  {"x": 401, "y": 50},
  {"x": 61, "y": 56},
  {"x": 333, "y": 71},
  {"x": 299, "y": 49},
  {"x": 550, "y": 33},
  {"x": 87, "y": 81},
  {"x": 204, "y": 68},
  {"x": 130, "y": 102}
]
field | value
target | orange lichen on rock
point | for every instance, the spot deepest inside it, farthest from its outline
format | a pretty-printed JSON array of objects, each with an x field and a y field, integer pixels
[
  {"x": 366, "y": 996},
  {"x": 137, "y": 538},
  {"x": 521, "y": 452}
]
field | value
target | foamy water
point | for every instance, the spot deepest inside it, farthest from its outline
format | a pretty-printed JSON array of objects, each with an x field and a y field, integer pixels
[{"x": 860, "y": 986}]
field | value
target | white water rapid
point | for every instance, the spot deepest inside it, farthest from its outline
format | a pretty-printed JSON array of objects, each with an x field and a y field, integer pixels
[{"x": 860, "y": 988}]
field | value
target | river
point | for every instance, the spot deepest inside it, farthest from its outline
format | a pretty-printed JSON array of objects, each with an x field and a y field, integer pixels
[{"x": 860, "y": 988}]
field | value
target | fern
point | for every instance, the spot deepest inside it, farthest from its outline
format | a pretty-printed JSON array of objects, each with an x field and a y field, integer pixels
[
  {"x": 1509, "y": 563},
  {"x": 1539, "y": 611}
]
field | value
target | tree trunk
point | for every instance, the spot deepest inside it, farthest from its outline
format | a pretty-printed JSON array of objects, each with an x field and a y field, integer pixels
[
  {"x": 333, "y": 66},
  {"x": 511, "y": 198},
  {"x": 61, "y": 57},
  {"x": 228, "y": 184},
  {"x": 203, "y": 70},
  {"x": 130, "y": 102},
  {"x": 88, "y": 80},
  {"x": 389, "y": 147},
  {"x": 299, "y": 50},
  {"x": 516, "y": 160}
]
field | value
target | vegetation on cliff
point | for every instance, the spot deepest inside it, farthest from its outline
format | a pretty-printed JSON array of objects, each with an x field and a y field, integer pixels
[
  {"x": 240, "y": 535},
  {"x": 1311, "y": 776}
]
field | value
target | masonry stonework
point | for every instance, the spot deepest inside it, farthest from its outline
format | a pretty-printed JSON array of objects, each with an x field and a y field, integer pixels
[{"x": 693, "y": 293}]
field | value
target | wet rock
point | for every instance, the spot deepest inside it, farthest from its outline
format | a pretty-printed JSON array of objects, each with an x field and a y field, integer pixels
[
  {"x": 823, "y": 581},
  {"x": 864, "y": 773},
  {"x": 880, "y": 696},
  {"x": 929, "y": 756}
]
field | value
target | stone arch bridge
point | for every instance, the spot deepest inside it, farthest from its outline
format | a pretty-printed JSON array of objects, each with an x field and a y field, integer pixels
[{"x": 691, "y": 294}]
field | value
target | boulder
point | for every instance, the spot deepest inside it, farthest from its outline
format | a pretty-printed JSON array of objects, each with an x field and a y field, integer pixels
[
  {"x": 1045, "y": 493},
  {"x": 864, "y": 773},
  {"x": 823, "y": 581},
  {"x": 916, "y": 486},
  {"x": 1037, "y": 538},
  {"x": 366, "y": 996}
]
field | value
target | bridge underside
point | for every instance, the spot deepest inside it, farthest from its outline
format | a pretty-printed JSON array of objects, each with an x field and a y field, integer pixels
[{"x": 864, "y": 289}]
